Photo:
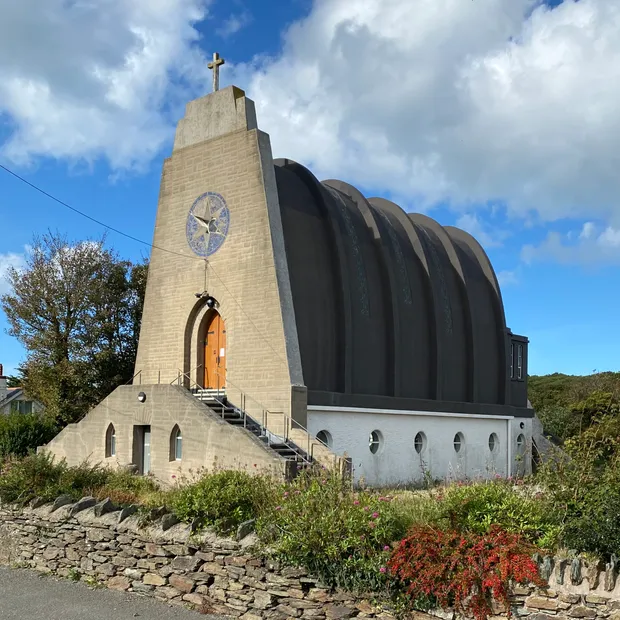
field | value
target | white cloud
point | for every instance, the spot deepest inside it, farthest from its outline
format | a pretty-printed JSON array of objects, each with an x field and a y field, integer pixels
[
  {"x": 84, "y": 78},
  {"x": 594, "y": 245},
  {"x": 6, "y": 261},
  {"x": 234, "y": 24},
  {"x": 488, "y": 238},
  {"x": 507, "y": 278},
  {"x": 453, "y": 100}
]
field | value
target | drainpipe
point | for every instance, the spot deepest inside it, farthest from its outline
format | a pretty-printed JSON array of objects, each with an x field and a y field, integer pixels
[{"x": 508, "y": 449}]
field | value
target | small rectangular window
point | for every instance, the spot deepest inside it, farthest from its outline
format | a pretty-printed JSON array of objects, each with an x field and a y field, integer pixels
[
  {"x": 520, "y": 361},
  {"x": 512, "y": 360}
]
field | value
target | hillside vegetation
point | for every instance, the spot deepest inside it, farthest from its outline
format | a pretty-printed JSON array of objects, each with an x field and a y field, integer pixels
[{"x": 568, "y": 404}]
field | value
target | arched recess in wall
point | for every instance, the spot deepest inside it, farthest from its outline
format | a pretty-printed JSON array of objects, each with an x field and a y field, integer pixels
[
  {"x": 211, "y": 347},
  {"x": 176, "y": 444},
  {"x": 196, "y": 332},
  {"x": 110, "y": 441}
]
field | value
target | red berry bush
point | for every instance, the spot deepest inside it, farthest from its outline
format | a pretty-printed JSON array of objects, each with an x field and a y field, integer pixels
[{"x": 464, "y": 570}]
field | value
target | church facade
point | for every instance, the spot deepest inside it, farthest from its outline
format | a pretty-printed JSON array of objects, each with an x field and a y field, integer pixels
[{"x": 290, "y": 321}]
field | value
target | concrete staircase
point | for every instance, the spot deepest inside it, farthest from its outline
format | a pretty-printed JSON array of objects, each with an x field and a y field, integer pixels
[{"x": 216, "y": 401}]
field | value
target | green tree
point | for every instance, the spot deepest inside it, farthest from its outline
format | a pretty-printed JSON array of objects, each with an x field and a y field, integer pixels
[{"x": 76, "y": 307}]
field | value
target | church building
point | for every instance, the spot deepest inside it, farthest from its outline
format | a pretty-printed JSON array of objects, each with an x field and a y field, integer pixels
[{"x": 291, "y": 321}]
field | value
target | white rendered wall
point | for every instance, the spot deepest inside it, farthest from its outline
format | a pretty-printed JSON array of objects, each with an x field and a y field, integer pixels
[{"x": 397, "y": 462}]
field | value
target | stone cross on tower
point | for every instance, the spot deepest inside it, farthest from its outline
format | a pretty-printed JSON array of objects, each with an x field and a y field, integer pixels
[{"x": 215, "y": 67}]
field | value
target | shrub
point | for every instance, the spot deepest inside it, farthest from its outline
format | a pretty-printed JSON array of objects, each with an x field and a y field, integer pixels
[
  {"x": 583, "y": 487},
  {"x": 339, "y": 535},
  {"x": 463, "y": 570},
  {"x": 38, "y": 475},
  {"x": 223, "y": 500},
  {"x": 21, "y": 433},
  {"x": 478, "y": 507},
  {"x": 124, "y": 488}
]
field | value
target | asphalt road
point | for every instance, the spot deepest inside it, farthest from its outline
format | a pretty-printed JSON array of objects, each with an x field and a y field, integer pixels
[{"x": 25, "y": 595}]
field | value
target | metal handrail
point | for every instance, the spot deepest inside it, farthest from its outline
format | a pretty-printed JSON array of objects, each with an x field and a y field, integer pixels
[
  {"x": 185, "y": 375},
  {"x": 138, "y": 374},
  {"x": 241, "y": 410},
  {"x": 289, "y": 422}
]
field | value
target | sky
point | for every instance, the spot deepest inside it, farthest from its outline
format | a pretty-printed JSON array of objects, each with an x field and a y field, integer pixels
[{"x": 497, "y": 116}]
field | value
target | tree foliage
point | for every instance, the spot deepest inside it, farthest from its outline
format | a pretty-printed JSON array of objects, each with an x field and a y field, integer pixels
[
  {"x": 76, "y": 308},
  {"x": 568, "y": 405}
]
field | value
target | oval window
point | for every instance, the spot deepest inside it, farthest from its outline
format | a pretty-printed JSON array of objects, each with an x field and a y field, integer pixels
[
  {"x": 493, "y": 442},
  {"x": 375, "y": 440},
  {"x": 325, "y": 438},
  {"x": 459, "y": 442},
  {"x": 419, "y": 443}
]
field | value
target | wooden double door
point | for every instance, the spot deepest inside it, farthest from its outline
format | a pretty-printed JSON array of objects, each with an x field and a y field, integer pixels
[{"x": 215, "y": 352}]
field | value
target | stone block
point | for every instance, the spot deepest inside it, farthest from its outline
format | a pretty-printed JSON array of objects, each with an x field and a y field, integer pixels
[
  {"x": 188, "y": 563},
  {"x": 168, "y": 592},
  {"x": 104, "y": 507},
  {"x": 59, "y": 502},
  {"x": 83, "y": 504},
  {"x": 154, "y": 579},
  {"x": 581, "y": 611},
  {"x": 263, "y": 600},
  {"x": 133, "y": 574},
  {"x": 540, "y": 602},
  {"x": 181, "y": 582},
  {"x": 143, "y": 588},
  {"x": 569, "y": 598},
  {"x": 194, "y": 599},
  {"x": 118, "y": 583},
  {"x": 167, "y": 521},
  {"x": 595, "y": 599},
  {"x": 107, "y": 570},
  {"x": 98, "y": 534},
  {"x": 245, "y": 529},
  {"x": 288, "y": 611},
  {"x": 157, "y": 550},
  {"x": 51, "y": 553},
  {"x": 338, "y": 612}
]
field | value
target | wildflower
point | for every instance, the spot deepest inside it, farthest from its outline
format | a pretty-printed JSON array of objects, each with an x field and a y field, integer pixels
[
  {"x": 382, "y": 569},
  {"x": 173, "y": 476},
  {"x": 372, "y": 524},
  {"x": 386, "y": 548},
  {"x": 285, "y": 493},
  {"x": 356, "y": 503},
  {"x": 362, "y": 537},
  {"x": 366, "y": 508},
  {"x": 278, "y": 507},
  {"x": 297, "y": 492},
  {"x": 375, "y": 515}
]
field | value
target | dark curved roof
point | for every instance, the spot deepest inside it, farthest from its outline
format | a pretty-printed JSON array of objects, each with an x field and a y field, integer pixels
[{"x": 387, "y": 303}]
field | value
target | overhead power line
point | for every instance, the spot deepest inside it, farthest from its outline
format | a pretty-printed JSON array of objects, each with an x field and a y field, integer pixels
[{"x": 128, "y": 236}]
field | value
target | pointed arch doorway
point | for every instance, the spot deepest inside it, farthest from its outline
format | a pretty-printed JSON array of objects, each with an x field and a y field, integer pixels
[{"x": 214, "y": 351}]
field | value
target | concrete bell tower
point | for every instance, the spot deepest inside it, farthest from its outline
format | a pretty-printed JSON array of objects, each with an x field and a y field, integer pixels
[{"x": 218, "y": 310}]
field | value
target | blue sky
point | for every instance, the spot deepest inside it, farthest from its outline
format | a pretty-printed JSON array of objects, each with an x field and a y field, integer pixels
[{"x": 499, "y": 117}]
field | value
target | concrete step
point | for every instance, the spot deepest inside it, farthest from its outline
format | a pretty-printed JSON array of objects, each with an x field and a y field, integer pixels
[{"x": 216, "y": 401}]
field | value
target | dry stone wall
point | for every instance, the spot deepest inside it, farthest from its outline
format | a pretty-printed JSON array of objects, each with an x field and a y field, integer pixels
[{"x": 99, "y": 543}]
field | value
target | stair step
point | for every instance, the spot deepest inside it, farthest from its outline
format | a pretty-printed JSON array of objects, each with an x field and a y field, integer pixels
[{"x": 216, "y": 401}]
